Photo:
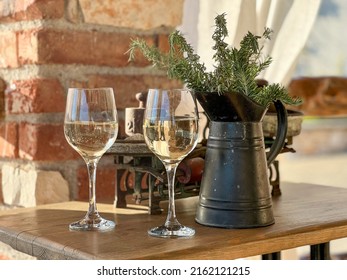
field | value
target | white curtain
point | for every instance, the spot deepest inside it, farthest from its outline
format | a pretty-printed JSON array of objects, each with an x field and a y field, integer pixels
[{"x": 291, "y": 21}]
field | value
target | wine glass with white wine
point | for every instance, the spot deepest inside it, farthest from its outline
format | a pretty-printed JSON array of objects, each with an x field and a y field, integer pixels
[
  {"x": 171, "y": 132},
  {"x": 91, "y": 128}
]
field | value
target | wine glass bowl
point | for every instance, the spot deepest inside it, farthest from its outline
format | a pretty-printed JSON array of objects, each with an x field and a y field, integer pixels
[
  {"x": 91, "y": 128},
  {"x": 171, "y": 132}
]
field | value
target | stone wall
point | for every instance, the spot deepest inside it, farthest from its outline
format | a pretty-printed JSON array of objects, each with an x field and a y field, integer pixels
[{"x": 47, "y": 46}]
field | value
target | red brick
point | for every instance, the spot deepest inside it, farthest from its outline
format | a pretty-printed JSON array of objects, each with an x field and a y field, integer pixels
[
  {"x": 134, "y": 14},
  {"x": 8, "y": 49},
  {"x": 23, "y": 10},
  {"x": 44, "y": 142},
  {"x": 9, "y": 140},
  {"x": 36, "y": 96},
  {"x": 163, "y": 43},
  {"x": 105, "y": 183},
  {"x": 44, "y": 46},
  {"x": 28, "y": 52}
]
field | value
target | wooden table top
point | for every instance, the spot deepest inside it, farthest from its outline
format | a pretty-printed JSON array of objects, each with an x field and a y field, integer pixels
[{"x": 305, "y": 214}]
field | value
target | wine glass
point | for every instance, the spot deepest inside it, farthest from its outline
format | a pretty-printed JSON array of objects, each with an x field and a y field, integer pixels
[
  {"x": 91, "y": 128},
  {"x": 171, "y": 132}
]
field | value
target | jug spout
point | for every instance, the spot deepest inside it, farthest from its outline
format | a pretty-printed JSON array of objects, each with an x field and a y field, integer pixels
[{"x": 230, "y": 107}]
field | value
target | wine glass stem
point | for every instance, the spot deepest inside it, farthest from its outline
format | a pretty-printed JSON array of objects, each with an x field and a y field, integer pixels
[
  {"x": 92, "y": 165},
  {"x": 171, "y": 214}
]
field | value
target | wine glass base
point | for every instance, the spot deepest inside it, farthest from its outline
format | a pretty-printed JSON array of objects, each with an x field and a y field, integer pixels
[
  {"x": 173, "y": 231},
  {"x": 92, "y": 225}
]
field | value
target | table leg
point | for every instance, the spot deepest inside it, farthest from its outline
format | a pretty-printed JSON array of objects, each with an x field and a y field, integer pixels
[
  {"x": 320, "y": 251},
  {"x": 271, "y": 256}
]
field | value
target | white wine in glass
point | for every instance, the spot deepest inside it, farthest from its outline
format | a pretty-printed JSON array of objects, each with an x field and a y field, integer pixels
[
  {"x": 171, "y": 132},
  {"x": 91, "y": 128}
]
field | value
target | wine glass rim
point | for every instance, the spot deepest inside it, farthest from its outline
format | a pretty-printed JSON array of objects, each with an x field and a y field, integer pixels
[
  {"x": 170, "y": 89},
  {"x": 85, "y": 88}
]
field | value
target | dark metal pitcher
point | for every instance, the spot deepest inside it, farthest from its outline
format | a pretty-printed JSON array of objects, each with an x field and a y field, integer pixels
[{"x": 235, "y": 188}]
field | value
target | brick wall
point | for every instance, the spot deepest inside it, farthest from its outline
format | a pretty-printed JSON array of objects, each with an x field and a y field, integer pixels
[{"x": 47, "y": 46}]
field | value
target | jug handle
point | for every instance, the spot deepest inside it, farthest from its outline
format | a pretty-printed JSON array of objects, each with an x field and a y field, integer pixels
[{"x": 282, "y": 126}]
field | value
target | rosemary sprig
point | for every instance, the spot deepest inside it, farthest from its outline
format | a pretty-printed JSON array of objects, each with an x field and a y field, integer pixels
[{"x": 236, "y": 70}]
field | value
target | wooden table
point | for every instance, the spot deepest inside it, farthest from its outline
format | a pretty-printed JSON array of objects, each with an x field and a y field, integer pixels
[{"x": 305, "y": 214}]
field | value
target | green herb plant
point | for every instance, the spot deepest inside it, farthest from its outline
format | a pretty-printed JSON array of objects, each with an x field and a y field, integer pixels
[{"x": 235, "y": 70}]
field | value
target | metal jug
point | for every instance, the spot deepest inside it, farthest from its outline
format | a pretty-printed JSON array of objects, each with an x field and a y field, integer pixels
[{"x": 235, "y": 188}]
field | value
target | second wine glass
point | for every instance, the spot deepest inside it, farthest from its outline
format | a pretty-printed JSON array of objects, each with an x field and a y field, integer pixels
[
  {"x": 91, "y": 128},
  {"x": 171, "y": 132}
]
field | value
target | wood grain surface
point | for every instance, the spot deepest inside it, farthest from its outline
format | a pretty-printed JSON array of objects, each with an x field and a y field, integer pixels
[{"x": 305, "y": 214}]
